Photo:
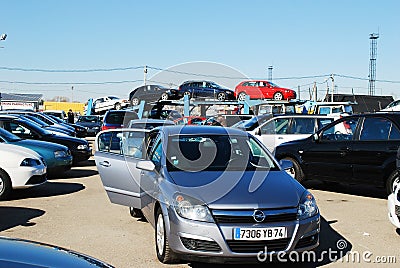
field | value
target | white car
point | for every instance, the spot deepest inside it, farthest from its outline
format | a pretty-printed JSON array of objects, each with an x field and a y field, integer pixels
[
  {"x": 394, "y": 206},
  {"x": 19, "y": 168},
  {"x": 280, "y": 129},
  {"x": 392, "y": 107},
  {"x": 106, "y": 103}
]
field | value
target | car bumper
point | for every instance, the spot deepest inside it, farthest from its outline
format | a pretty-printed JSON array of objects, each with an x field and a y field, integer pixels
[
  {"x": 81, "y": 155},
  {"x": 25, "y": 177},
  {"x": 215, "y": 242}
]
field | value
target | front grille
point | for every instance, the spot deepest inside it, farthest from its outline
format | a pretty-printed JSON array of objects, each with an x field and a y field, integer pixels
[
  {"x": 307, "y": 241},
  {"x": 36, "y": 179},
  {"x": 257, "y": 246},
  {"x": 249, "y": 219},
  {"x": 200, "y": 245}
]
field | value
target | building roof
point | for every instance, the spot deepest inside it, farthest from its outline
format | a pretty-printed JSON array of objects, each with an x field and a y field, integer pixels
[{"x": 21, "y": 97}]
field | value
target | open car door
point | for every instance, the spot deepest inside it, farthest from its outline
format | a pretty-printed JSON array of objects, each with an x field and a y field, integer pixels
[{"x": 116, "y": 155}]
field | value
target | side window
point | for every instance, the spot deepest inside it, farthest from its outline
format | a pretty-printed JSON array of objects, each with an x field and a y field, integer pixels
[
  {"x": 302, "y": 126},
  {"x": 268, "y": 128},
  {"x": 155, "y": 156},
  {"x": 394, "y": 133},
  {"x": 281, "y": 125},
  {"x": 323, "y": 122},
  {"x": 110, "y": 142},
  {"x": 343, "y": 130},
  {"x": 375, "y": 129},
  {"x": 133, "y": 144}
]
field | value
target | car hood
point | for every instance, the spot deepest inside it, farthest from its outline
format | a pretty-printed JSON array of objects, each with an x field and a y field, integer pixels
[
  {"x": 41, "y": 145},
  {"x": 240, "y": 190},
  {"x": 88, "y": 124},
  {"x": 68, "y": 139},
  {"x": 19, "y": 150}
]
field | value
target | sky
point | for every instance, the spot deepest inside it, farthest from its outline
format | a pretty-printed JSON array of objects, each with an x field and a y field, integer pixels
[{"x": 92, "y": 48}]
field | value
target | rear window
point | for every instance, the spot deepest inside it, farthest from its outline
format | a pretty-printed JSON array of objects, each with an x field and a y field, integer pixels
[{"x": 120, "y": 118}]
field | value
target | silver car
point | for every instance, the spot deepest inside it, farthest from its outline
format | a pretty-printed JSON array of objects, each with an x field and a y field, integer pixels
[{"x": 212, "y": 194}]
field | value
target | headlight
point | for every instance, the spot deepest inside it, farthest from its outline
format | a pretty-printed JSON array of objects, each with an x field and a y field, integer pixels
[
  {"x": 82, "y": 147},
  {"x": 30, "y": 162},
  {"x": 58, "y": 154},
  {"x": 307, "y": 206},
  {"x": 192, "y": 209},
  {"x": 96, "y": 128}
]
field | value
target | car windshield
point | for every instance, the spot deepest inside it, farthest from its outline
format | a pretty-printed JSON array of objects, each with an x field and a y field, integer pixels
[
  {"x": 216, "y": 153},
  {"x": 36, "y": 120},
  {"x": 213, "y": 85},
  {"x": 88, "y": 119},
  {"x": 7, "y": 136},
  {"x": 272, "y": 84},
  {"x": 34, "y": 127}
]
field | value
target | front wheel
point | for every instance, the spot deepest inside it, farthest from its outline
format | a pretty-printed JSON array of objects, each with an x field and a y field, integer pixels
[
  {"x": 296, "y": 172},
  {"x": 278, "y": 96},
  {"x": 5, "y": 185},
  {"x": 221, "y": 96},
  {"x": 164, "y": 252},
  {"x": 164, "y": 96},
  {"x": 391, "y": 181},
  {"x": 118, "y": 106}
]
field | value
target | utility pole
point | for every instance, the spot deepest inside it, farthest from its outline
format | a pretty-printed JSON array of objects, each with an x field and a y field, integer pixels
[
  {"x": 315, "y": 91},
  {"x": 333, "y": 86},
  {"x": 298, "y": 92},
  {"x": 372, "y": 63},
  {"x": 270, "y": 73},
  {"x": 72, "y": 94},
  {"x": 145, "y": 74}
]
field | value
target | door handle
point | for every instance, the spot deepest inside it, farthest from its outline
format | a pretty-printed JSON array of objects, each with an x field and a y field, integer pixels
[{"x": 105, "y": 164}]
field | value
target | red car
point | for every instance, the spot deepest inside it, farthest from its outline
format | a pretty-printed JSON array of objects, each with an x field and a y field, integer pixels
[
  {"x": 259, "y": 89},
  {"x": 189, "y": 120}
]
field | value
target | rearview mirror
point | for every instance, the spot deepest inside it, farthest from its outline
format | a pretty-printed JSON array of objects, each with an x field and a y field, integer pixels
[{"x": 145, "y": 165}]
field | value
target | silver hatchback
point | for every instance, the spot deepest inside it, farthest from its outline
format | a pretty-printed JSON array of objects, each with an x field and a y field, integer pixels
[{"x": 212, "y": 194}]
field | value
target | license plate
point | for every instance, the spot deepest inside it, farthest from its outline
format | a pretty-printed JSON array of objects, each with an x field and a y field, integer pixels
[{"x": 259, "y": 233}]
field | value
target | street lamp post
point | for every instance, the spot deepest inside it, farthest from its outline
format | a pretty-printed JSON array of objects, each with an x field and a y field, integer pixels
[{"x": 2, "y": 38}]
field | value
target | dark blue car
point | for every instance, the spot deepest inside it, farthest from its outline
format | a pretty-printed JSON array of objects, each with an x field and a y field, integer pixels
[{"x": 205, "y": 89}]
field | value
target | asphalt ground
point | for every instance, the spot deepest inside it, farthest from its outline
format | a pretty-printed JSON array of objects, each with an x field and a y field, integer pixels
[{"x": 74, "y": 212}]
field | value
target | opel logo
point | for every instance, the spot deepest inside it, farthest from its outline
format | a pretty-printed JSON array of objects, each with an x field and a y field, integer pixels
[{"x": 258, "y": 216}]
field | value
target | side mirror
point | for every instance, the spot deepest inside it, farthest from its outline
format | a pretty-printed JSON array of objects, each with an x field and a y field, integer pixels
[
  {"x": 286, "y": 164},
  {"x": 315, "y": 137},
  {"x": 258, "y": 132},
  {"x": 145, "y": 165}
]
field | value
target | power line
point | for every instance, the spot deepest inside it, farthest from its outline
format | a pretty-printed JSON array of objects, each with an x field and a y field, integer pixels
[
  {"x": 69, "y": 83},
  {"x": 71, "y": 70}
]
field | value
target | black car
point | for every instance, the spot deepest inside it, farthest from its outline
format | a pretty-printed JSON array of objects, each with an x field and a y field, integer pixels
[
  {"x": 118, "y": 119},
  {"x": 24, "y": 129},
  {"x": 354, "y": 149},
  {"x": 92, "y": 123},
  {"x": 81, "y": 132},
  {"x": 205, "y": 89},
  {"x": 152, "y": 93}
]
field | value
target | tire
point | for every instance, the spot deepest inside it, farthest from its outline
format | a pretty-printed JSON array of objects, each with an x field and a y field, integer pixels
[
  {"x": 187, "y": 93},
  {"x": 392, "y": 179},
  {"x": 164, "y": 96},
  {"x": 117, "y": 106},
  {"x": 5, "y": 185},
  {"x": 221, "y": 96},
  {"x": 163, "y": 251},
  {"x": 135, "y": 101},
  {"x": 135, "y": 213},
  {"x": 278, "y": 96},
  {"x": 242, "y": 96},
  {"x": 296, "y": 172}
]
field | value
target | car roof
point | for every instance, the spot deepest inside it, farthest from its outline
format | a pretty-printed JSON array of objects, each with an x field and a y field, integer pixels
[{"x": 150, "y": 120}]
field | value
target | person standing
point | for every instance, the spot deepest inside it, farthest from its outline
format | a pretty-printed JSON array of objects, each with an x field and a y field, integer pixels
[{"x": 71, "y": 117}]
